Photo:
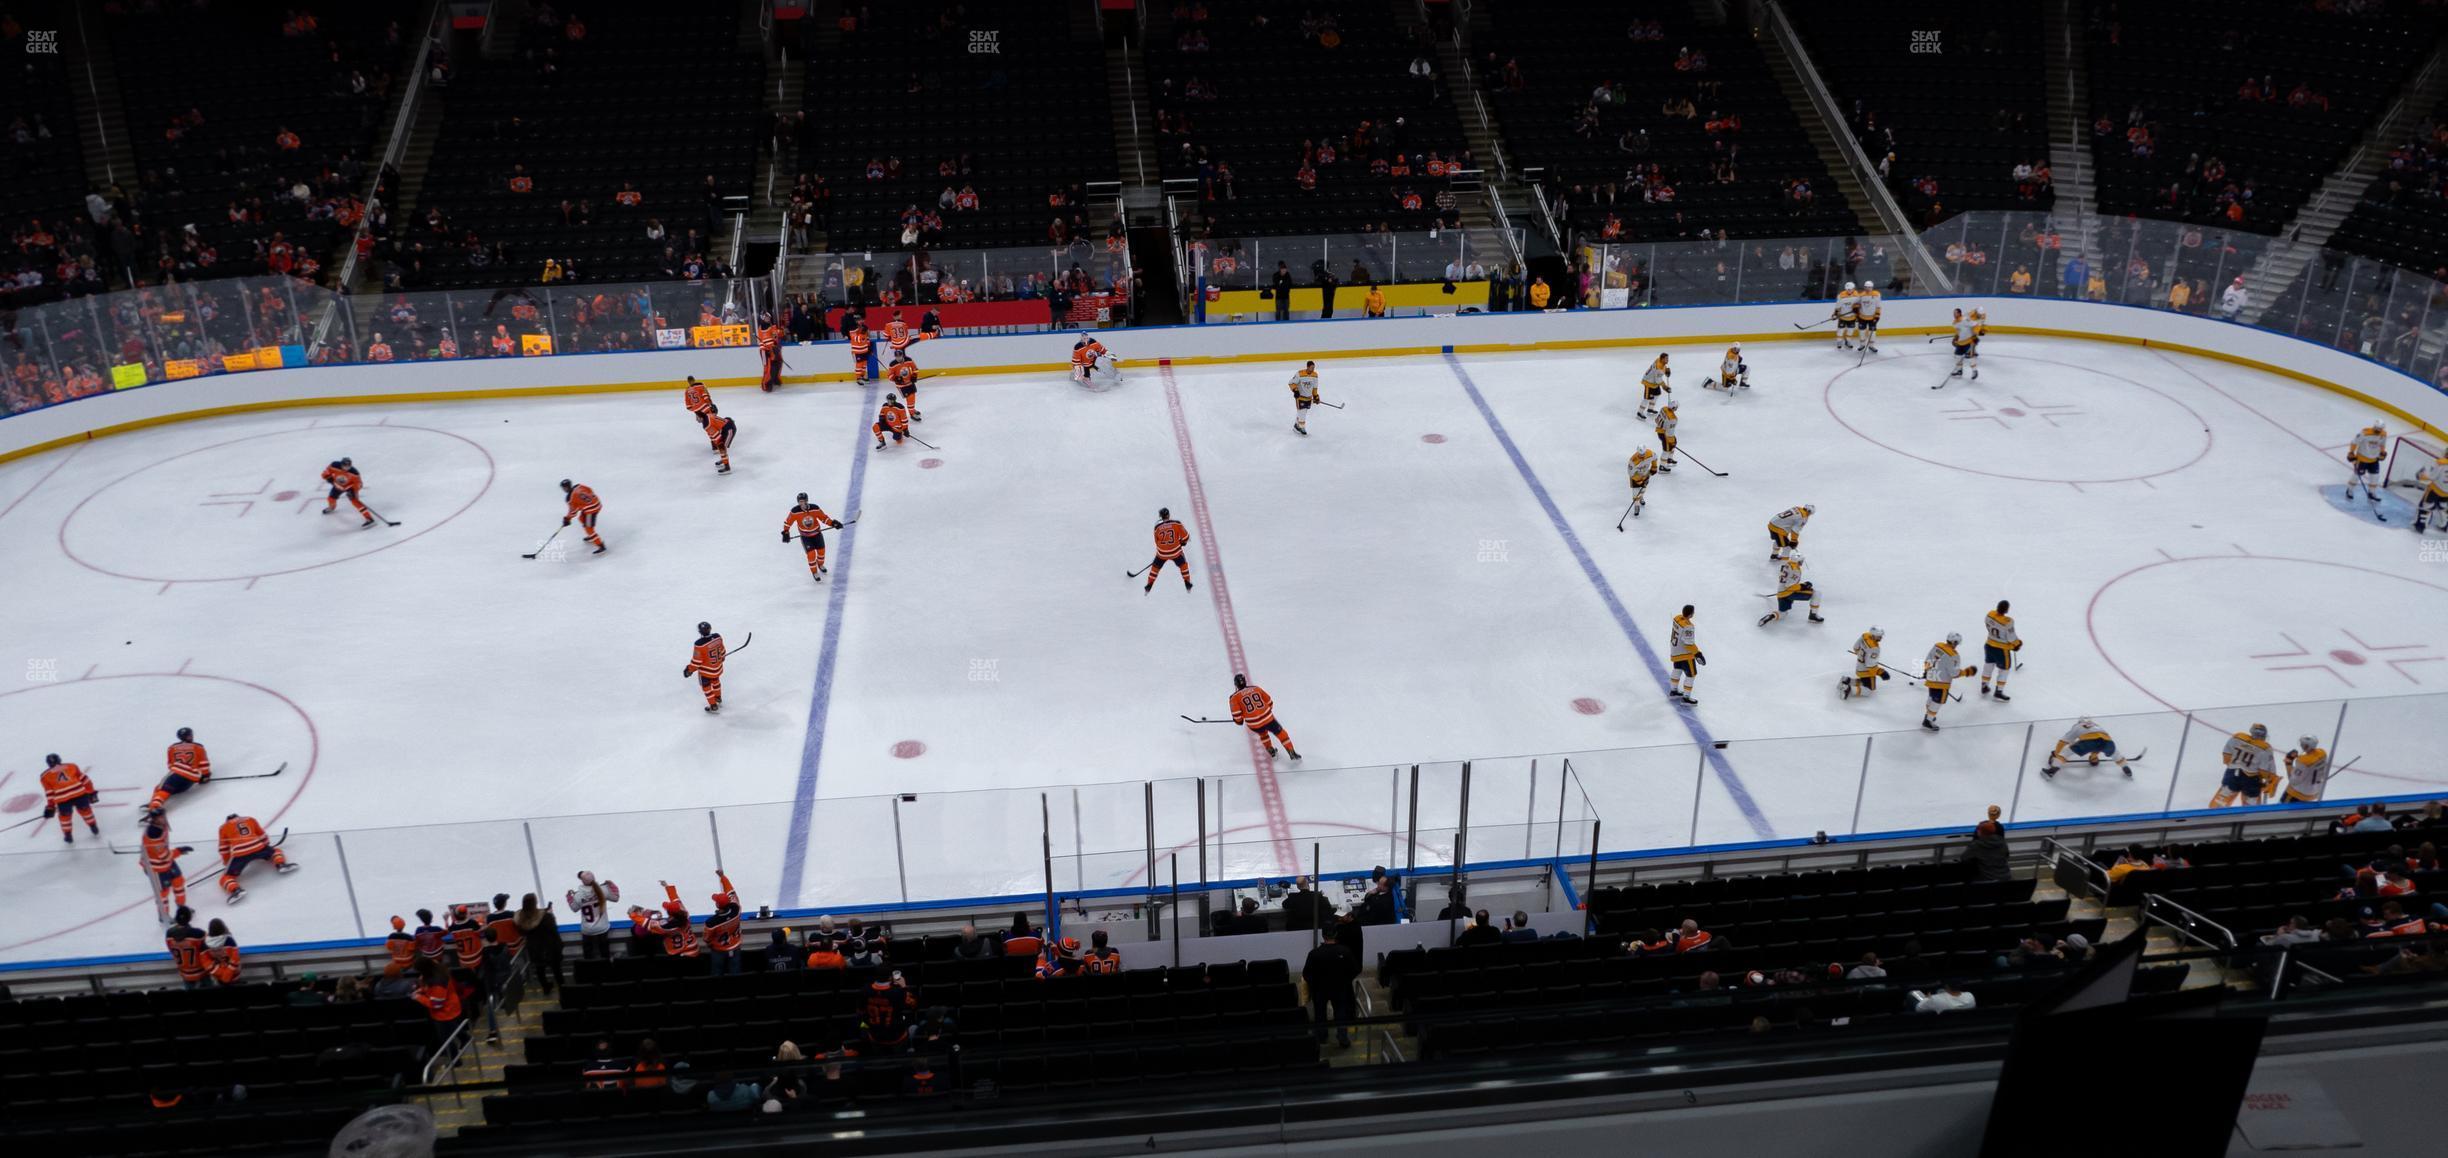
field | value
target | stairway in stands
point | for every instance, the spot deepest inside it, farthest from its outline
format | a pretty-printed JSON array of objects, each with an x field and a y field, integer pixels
[{"x": 2069, "y": 128}]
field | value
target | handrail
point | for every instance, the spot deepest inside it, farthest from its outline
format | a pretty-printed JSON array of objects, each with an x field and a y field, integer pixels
[
  {"x": 2153, "y": 902},
  {"x": 2050, "y": 844},
  {"x": 1882, "y": 200},
  {"x": 393, "y": 150},
  {"x": 101, "y": 129},
  {"x": 2382, "y": 133}
]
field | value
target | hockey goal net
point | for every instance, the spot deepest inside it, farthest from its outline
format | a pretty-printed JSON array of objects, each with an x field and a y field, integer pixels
[{"x": 2408, "y": 457}]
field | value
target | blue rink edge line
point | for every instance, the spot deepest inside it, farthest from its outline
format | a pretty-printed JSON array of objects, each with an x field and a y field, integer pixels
[
  {"x": 1623, "y": 619},
  {"x": 820, "y": 700}
]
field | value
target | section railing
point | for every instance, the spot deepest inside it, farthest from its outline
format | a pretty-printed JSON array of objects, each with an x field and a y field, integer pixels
[
  {"x": 1706, "y": 271},
  {"x": 1355, "y": 259}
]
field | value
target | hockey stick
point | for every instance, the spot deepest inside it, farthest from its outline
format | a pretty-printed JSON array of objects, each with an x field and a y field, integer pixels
[
  {"x": 378, "y": 515},
  {"x": 1205, "y": 720},
  {"x": 1702, "y": 465},
  {"x": 1143, "y": 571},
  {"x": 1335, "y": 405},
  {"x": 27, "y": 821},
  {"x": 1627, "y": 513},
  {"x": 923, "y": 442},
  {"x": 1813, "y": 325},
  {"x": 548, "y": 540},
  {"x": 742, "y": 647},
  {"x": 250, "y": 776}
]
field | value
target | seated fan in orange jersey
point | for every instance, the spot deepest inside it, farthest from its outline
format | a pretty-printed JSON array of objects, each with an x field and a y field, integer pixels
[{"x": 1254, "y": 709}]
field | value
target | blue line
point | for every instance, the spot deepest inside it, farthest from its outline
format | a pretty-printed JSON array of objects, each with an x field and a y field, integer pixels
[
  {"x": 1623, "y": 619},
  {"x": 820, "y": 701}
]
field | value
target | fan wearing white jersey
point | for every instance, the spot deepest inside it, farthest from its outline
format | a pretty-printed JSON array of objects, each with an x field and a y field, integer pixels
[
  {"x": 1845, "y": 316},
  {"x": 1939, "y": 671},
  {"x": 2363, "y": 456},
  {"x": 1641, "y": 469},
  {"x": 1866, "y": 316},
  {"x": 2085, "y": 740},
  {"x": 1785, "y": 530},
  {"x": 1968, "y": 330},
  {"x": 2251, "y": 772},
  {"x": 1732, "y": 374},
  {"x": 2308, "y": 771},
  {"x": 1654, "y": 387},
  {"x": 1683, "y": 648},
  {"x": 1792, "y": 588},
  {"x": 2431, "y": 510},
  {"x": 1998, "y": 651},
  {"x": 1866, "y": 666}
]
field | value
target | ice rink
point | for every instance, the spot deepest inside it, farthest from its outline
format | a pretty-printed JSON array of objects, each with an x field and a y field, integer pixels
[{"x": 1433, "y": 574}]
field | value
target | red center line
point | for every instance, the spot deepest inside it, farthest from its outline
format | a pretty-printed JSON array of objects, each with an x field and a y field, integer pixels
[{"x": 1268, "y": 790}]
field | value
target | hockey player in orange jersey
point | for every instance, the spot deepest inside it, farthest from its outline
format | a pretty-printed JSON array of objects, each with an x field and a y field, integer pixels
[
  {"x": 1171, "y": 537},
  {"x": 903, "y": 374},
  {"x": 719, "y": 432},
  {"x": 706, "y": 663},
  {"x": 1252, "y": 708},
  {"x": 161, "y": 861},
  {"x": 189, "y": 767},
  {"x": 769, "y": 348},
  {"x": 809, "y": 521},
  {"x": 243, "y": 842},
  {"x": 67, "y": 789},
  {"x": 699, "y": 402},
  {"x": 893, "y": 419},
  {"x": 344, "y": 479},
  {"x": 862, "y": 346},
  {"x": 583, "y": 506}
]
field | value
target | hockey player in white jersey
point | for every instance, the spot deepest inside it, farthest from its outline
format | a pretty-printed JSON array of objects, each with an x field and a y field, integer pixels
[
  {"x": 1785, "y": 530},
  {"x": 1968, "y": 329},
  {"x": 1732, "y": 374},
  {"x": 1998, "y": 651},
  {"x": 1792, "y": 588},
  {"x": 2251, "y": 770},
  {"x": 1867, "y": 670},
  {"x": 2363, "y": 457},
  {"x": 2431, "y": 510},
  {"x": 1866, "y": 316},
  {"x": 1683, "y": 648},
  {"x": 1845, "y": 316},
  {"x": 1641, "y": 469},
  {"x": 1939, "y": 671},
  {"x": 1654, "y": 388},
  {"x": 2308, "y": 771},
  {"x": 2086, "y": 740}
]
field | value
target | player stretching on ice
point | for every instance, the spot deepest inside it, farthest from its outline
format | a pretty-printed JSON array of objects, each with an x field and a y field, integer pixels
[
  {"x": 161, "y": 862},
  {"x": 1785, "y": 530},
  {"x": 67, "y": 789},
  {"x": 719, "y": 432},
  {"x": 1084, "y": 356},
  {"x": 1171, "y": 537},
  {"x": 2308, "y": 771},
  {"x": 810, "y": 521},
  {"x": 189, "y": 768},
  {"x": 1866, "y": 666},
  {"x": 706, "y": 663},
  {"x": 1666, "y": 436},
  {"x": 1304, "y": 395},
  {"x": 2363, "y": 456},
  {"x": 1939, "y": 671},
  {"x": 2086, "y": 740},
  {"x": 1654, "y": 388},
  {"x": 699, "y": 402},
  {"x": 1254, "y": 709},
  {"x": 1683, "y": 645},
  {"x": 1998, "y": 651},
  {"x": 1732, "y": 374},
  {"x": 344, "y": 480},
  {"x": 893, "y": 419},
  {"x": 243, "y": 843},
  {"x": 1792, "y": 588},
  {"x": 2251, "y": 772},
  {"x": 583, "y": 506},
  {"x": 1641, "y": 469}
]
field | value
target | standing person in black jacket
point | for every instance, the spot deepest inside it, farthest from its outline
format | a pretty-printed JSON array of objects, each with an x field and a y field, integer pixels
[
  {"x": 1329, "y": 973},
  {"x": 1988, "y": 852},
  {"x": 1326, "y": 288},
  {"x": 1283, "y": 292}
]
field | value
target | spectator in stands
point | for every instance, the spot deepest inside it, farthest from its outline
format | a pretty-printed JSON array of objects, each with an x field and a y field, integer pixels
[
  {"x": 220, "y": 953},
  {"x": 1022, "y": 939},
  {"x": 726, "y": 1094},
  {"x": 1988, "y": 853},
  {"x": 2232, "y": 300},
  {"x": 1305, "y": 907},
  {"x": 1868, "y": 970},
  {"x": 2179, "y": 295},
  {"x": 1248, "y": 919},
  {"x": 975, "y": 946},
  {"x": 1374, "y": 304},
  {"x": 2365, "y": 818},
  {"x": 1481, "y": 931},
  {"x": 2131, "y": 859},
  {"x": 1517, "y": 928},
  {"x": 2020, "y": 281},
  {"x": 1540, "y": 293},
  {"x": 439, "y": 996},
  {"x": 1281, "y": 284},
  {"x": 2296, "y": 931},
  {"x": 1950, "y": 997},
  {"x": 542, "y": 936},
  {"x": 1329, "y": 973},
  {"x": 1690, "y": 937}
]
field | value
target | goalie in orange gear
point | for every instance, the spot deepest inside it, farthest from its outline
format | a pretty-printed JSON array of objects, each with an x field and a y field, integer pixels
[
  {"x": 1084, "y": 355},
  {"x": 706, "y": 663},
  {"x": 810, "y": 521},
  {"x": 344, "y": 479}
]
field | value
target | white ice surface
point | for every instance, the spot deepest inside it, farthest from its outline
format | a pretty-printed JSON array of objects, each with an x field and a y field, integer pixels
[{"x": 446, "y": 705}]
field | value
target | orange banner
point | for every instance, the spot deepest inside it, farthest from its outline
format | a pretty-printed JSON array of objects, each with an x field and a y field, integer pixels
[
  {"x": 735, "y": 335},
  {"x": 236, "y": 362},
  {"x": 532, "y": 345},
  {"x": 182, "y": 368}
]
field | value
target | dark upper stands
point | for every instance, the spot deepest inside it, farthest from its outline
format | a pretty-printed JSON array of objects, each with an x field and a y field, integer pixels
[
  {"x": 78, "y": 1075},
  {"x": 43, "y": 195},
  {"x": 1236, "y": 114},
  {"x": 220, "y": 198},
  {"x": 2173, "y": 70},
  {"x": 1952, "y": 91},
  {"x": 2402, "y": 218},
  {"x": 1007, "y": 95},
  {"x": 1563, "y": 51},
  {"x": 659, "y": 98}
]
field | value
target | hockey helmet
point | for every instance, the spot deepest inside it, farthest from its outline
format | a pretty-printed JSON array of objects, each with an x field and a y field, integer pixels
[
  {"x": 2260, "y": 731},
  {"x": 2307, "y": 743},
  {"x": 1849, "y": 287},
  {"x": 2087, "y": 724},
  {"x": 1954, "y": 637},
  {"x": 704, "y": 628},
  {"x": 1876, "y": 632},
  {"x": 186, "y": 733}
]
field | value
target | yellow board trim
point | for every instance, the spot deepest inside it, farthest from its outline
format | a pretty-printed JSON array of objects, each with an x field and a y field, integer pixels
[{"x": 1204, "y": 360}]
